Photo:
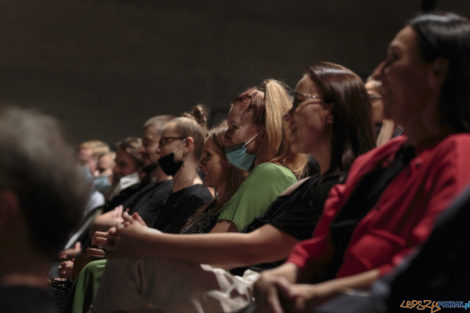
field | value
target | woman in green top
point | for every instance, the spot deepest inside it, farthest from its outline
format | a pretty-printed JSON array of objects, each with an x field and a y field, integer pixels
[{"x": 256, "y": 141}]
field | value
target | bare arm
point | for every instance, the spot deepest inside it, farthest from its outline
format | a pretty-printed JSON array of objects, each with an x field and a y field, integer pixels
[{"x": 265, "y": 244}]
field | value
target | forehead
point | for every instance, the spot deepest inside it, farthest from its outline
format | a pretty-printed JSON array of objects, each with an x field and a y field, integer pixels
[
  {"x": 239, "y": 114},
  {"x": 150, "y": 132},
  {"x": 209, "y": 145},
  {"x": 306, "y": 85},
  {"x": 406, "y": 40},
  {"x": 169, "y": 129}
]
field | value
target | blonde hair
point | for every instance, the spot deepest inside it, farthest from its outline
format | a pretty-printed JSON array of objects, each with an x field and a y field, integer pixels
[
  {"x": 97, "y": 147},
  {"x": 269, "y": 103}
]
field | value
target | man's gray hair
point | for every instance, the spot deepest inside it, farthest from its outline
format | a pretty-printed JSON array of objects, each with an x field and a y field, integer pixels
[{"x": 40, "y": 168}]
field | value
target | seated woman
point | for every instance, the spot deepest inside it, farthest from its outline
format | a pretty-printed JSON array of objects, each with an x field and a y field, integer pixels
[
  {"x": 394, "y": 193},
  {"x": 327, "y": 97},
  {"x": 256, "y": 142},
  {"x": 218, "y": 174}
]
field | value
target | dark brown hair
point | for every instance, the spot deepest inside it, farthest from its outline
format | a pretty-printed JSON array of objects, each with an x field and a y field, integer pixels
[{"x": 352, "y": 132}]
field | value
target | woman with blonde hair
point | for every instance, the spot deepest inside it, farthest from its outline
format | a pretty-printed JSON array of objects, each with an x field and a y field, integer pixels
[{"x": 256, "y": 141}]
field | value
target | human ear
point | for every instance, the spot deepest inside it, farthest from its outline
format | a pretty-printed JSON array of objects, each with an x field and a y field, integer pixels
[
  {"x": 188, "y": 145},
  {"x": 439, "y": 71}
]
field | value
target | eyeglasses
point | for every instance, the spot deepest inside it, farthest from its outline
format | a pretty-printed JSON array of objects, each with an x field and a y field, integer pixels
[
  {"x": 301, "y": 97},
  {"x": 166, "y": 140}
]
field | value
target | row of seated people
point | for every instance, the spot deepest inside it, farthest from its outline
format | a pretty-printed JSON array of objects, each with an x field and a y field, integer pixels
[{"x": 367, "y": 208}]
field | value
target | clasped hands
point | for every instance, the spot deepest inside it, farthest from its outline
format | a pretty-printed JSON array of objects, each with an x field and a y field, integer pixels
[
  {"x": 277, "y": 295},
  {"x": 125, "y": 239}
]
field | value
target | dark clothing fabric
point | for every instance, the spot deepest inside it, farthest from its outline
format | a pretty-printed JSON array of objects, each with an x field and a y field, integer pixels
[
  {"x": 25, "y": 299},
  {"x": 179, "y": 206},
  {"x": 365, "y": 195},
  {"x": 151, "y": 202},
  {"x": 297, "y": 213},
  {"x": 204, "y": 222},
  {"x": 128, "y": 196}
]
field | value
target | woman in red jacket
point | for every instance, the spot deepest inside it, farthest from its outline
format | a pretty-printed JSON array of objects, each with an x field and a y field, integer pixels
[{"x": 393, "y": 194}]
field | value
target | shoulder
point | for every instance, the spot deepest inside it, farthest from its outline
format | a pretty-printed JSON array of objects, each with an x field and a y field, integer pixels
[
  {"x": 197, "y": 191},
  {"x": 269, "y": 169},
  {"x": 294, "y": 186},
  {"x": 459, "y": 143}
]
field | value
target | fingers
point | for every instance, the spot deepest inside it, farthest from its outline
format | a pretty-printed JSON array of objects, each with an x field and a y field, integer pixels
[
  {"x": 117, "y": 212},
  {"x": 127, "y": 218},
  {"x": 285, "y": 288},
  {"x": 139, "y": 219},
  {"x": 98, "y": 237},
  {"x": 95, "y": 252}
]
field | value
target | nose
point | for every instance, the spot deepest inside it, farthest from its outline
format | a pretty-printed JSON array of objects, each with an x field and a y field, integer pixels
[
  {"x": 227, "y": 137},
  {"x": 378, "y": 73}
]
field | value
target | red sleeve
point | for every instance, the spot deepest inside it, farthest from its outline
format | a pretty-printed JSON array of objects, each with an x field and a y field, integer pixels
[{"x": 448, "y": 180}]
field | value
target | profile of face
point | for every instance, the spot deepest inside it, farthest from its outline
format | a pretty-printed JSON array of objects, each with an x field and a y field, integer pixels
[
  {"x": 241, "y": 128},
  {"x": 213, "y": 165},
  {"x": 404, "y": 77},
  {"x": 172, "y": 142},
  {"x": 85, "y": 158},
  {"x": 106, "y": 165},
  {"x": 310, "y": 118},
  {"x": 148, "y": 150},
  {"x": 375, "y": 97},
  {"x": 124, "y": 164}
]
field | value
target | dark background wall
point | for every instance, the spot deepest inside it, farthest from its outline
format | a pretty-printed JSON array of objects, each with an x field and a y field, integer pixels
[{"x": 103, "y": 67}]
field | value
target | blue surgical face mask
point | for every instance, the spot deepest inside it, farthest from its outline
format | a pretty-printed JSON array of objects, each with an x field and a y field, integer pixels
[{"x": 238, "y": 157}]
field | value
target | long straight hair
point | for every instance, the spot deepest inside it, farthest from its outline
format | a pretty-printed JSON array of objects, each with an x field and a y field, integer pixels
[
  {"x": 447, "y": 35},
  {"x": 352, "y": 132}
]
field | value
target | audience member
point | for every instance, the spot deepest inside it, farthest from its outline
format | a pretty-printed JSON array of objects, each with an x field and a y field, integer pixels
[{"x": 41, "y": 201}]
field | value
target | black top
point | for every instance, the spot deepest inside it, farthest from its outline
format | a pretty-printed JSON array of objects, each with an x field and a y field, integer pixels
[
  {"x": 151, "y": 202},
  {"x": 129, "y": 195},
  {"x": 179, "y": 206},
  {"x": 25, "y": 299},
  {"x": 296, "y": 214}
]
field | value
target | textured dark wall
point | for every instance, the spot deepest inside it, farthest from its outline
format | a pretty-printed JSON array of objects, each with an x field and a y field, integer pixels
[{"x": 105, "y": 66}]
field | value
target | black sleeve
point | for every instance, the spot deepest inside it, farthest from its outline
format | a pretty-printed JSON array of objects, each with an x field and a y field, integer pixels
[{"x": 299, "y": 215}]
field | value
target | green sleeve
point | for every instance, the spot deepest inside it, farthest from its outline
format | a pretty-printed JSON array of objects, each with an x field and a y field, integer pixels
[{"x": 264, "y": 184}]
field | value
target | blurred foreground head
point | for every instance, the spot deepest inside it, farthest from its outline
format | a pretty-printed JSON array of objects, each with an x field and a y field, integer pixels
[{"x": 42, "y": 192}]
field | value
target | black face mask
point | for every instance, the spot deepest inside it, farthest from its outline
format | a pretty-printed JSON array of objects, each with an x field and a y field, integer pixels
[{"x": 168, "y": 164}]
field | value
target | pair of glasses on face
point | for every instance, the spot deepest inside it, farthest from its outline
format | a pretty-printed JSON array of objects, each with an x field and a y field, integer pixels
[
  {"x": 299, "y": 101},
  {"x": 167, "y": 140}
]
